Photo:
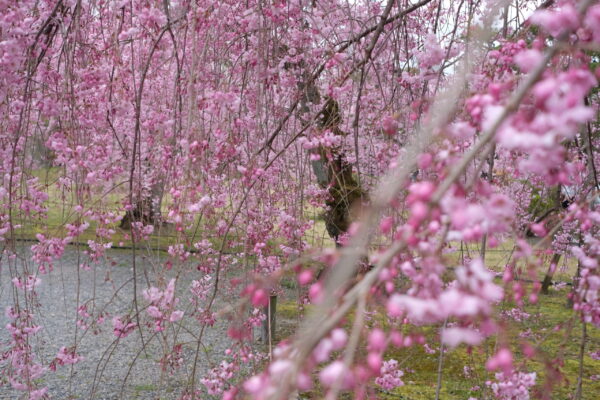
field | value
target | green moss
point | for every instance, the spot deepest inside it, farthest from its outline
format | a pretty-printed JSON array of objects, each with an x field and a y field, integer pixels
[
  {"x": 144, "y": 388},
  {"x": 290, "y": 310},
  {"x": 421, "y": 368}
]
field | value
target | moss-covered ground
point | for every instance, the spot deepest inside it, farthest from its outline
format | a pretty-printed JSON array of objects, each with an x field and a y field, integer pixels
[{"x": 552, "y": 329}]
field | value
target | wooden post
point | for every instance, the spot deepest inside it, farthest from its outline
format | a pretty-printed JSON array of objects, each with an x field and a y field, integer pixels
[{"x": 270, "y": 323}]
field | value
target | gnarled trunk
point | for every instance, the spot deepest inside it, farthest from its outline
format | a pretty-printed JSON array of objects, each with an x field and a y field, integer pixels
[
  {"x": 144, "y": 211},
  {"x": 345, "y": 194},
  {"x": 334, "y": 173}
]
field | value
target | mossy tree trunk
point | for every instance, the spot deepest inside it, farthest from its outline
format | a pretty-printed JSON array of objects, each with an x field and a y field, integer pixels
[
  {"x": 143, "y": 211},
  {"x": 334, "y": 173},
  {"x": 146, "y": 210}
]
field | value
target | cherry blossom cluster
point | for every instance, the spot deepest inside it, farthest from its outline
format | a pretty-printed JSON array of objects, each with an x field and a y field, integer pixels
[
  {"x": 162, "y": 305},
  {"x": 391, "y": 376},
  {"x": 19, "y": 363},
  {"x": 513, "y": 386}
]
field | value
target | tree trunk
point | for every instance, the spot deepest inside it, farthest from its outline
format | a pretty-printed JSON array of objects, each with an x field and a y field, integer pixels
[
  {"x": 334, "y": 173},
  {"x": 143, "y": 212},
  {"x": 550, "y": 273},
  {"x": 345, "y": 195}
]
